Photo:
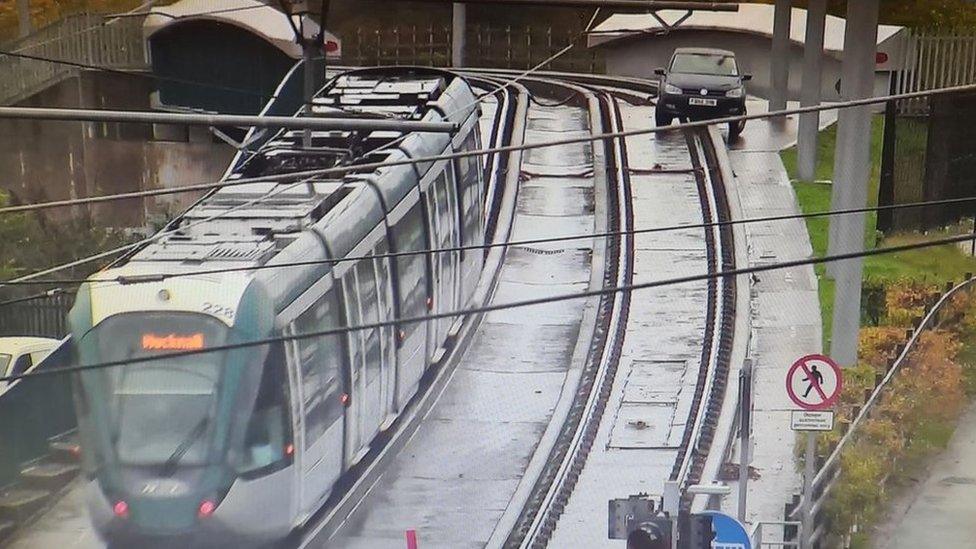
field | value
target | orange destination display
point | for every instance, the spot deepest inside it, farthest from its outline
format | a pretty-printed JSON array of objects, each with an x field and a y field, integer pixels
[{"x": 172, "y": 342}]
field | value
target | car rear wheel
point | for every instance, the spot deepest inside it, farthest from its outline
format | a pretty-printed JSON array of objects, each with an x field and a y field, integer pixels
[
  {"x": 735, "y": 129},
  {"x": 662, "y": 118}
]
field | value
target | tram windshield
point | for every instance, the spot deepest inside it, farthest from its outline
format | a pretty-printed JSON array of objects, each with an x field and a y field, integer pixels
[{"x": 161, "y": 411}]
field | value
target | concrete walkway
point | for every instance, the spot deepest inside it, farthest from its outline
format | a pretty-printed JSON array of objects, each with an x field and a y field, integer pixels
[
  {"x": 938, "y": 512},
  {"x": 785, "y": 311}
]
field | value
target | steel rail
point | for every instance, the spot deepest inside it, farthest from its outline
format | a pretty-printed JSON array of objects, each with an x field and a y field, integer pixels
[{"x": 554, "y": 486}]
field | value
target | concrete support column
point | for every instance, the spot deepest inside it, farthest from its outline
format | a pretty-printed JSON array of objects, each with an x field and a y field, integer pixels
[
  {"x": 458, "y": 34},
  {"x": 779, "y": 63},
  {"x": 852, "y": 168},
  {"x": 23, "y": 17},
  {"x": 812, "y": 86}
]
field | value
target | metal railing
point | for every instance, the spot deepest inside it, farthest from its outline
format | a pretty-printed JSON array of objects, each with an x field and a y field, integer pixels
[
  {"x": 759, "y": 534},
  {"x": 35, "y": 411},
  {"x": 932, "y": 62},
  {"x": 43, "y": 317},
  {"x": 497, "y": 47},
  {"x": 828, "y": 475},
  {"x": 83, "y": 39}
]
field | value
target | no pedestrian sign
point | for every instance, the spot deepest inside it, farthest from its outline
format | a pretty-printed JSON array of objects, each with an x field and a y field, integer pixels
[{"x": 814, "y": 382}]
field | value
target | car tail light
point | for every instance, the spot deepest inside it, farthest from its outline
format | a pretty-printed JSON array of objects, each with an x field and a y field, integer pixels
[{"x": 331, "y": 46}]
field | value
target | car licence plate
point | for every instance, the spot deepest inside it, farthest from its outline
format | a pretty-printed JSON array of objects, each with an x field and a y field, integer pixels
[{"x": 702, "y": 102}]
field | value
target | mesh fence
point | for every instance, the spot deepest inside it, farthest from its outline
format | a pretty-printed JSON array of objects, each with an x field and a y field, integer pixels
[{"x": 928, "y": 155}]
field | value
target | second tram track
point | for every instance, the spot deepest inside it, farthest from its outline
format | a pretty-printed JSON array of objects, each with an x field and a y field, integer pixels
[{"x": 566, "y": 459}]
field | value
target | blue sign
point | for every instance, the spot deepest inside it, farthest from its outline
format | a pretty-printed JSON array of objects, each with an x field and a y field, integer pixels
[{"x": 729, "y": 533}]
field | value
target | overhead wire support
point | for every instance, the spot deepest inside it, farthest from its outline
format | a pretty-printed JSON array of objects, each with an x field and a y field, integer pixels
[
  {"x": 505, "y": 306},
  {"x": 331, "y": 122},
  {"x": 160, "y": 277},
  {"x": 302, "y": 178},
  {"x": 341, "y": 170}
]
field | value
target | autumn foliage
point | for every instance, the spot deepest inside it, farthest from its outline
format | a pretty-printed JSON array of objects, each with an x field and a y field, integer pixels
[{"x": 918, "y": 407}]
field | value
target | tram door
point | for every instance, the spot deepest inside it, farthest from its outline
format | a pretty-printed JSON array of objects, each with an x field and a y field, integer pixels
[
  {"x": 365, "y": 357},
  {"x": 388, "y": 366},
  {"x": 433, "y": 305},
  {"x": 443, "y": 231},
  {"x": 318, "y": 396}
]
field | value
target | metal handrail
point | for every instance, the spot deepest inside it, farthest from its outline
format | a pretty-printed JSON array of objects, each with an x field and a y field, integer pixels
[
  {"x": 829, "y": 472},
  {"x": 875, "y": 395},
  {"x": 757, "y": 534}
]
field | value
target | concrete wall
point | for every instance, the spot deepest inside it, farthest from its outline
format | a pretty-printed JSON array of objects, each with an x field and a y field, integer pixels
[
  {"x": 639, "y": 57},
  {"x": 42, "y": 160}
]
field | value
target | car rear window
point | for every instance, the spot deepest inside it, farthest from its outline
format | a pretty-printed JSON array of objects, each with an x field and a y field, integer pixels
[
  {"x": 701, "y": 63},
  {"x": 4, "y": 361}
]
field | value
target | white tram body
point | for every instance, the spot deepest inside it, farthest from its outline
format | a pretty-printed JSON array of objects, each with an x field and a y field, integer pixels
[{"x": 245, "y": 445}]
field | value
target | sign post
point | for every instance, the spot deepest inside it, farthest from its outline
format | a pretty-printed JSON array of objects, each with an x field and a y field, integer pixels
[
  {"x": 745, "y": 427},
  {"x": 813, "y": 383}
]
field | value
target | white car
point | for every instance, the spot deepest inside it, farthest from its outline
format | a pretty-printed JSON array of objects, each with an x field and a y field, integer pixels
[{"x": 19, "y": 354}]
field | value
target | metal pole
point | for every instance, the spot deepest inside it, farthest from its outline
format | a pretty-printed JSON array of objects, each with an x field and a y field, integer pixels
[
  {"x": 806, "y": 527},
  {"x": 779, "y": 63},
  {"x": 288, "y": 122},
  {"x": 852, "y": 168},
  {"x": 308, "y": 65},
  {"x": 972, "y": 250},
  {"x": 811, "y": 93},
  {"x": 458, "y": 34},
  {"x": 745, "y": 428},
  {"x": 23, "y": 18}
]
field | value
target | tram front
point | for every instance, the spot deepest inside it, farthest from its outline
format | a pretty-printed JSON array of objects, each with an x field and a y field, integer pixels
[{"x": 174, "y": 438}]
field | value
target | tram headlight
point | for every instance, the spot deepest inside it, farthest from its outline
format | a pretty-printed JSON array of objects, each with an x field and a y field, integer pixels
[{"x": 121, "y": 509}]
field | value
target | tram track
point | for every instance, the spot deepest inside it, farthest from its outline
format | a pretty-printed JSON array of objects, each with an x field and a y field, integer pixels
[
  {"x": 554, "y": 489},
  {"x": 719, "y": 328},
  {"x": 554, "y": 483},
  {"x": 560, "y": 455},
  {"x": 568, "y": 456}
]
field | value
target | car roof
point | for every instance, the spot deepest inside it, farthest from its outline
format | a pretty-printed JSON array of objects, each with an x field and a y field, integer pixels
[
  {"x": 704, "y": 51},
  {"x": 15, "y": 345}
]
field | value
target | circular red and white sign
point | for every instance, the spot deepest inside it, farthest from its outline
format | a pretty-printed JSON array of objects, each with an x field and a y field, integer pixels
[{"x": 814, "y": 382}]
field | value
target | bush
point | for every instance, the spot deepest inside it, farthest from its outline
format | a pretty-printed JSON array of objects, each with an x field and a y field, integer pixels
[
  {"x": 31, "y": 242},
  {"x": 916, "y": 414}
]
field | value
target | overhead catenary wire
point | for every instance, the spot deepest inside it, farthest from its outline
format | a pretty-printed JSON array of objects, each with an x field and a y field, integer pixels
[
  {"x": 43, "y": 295},
  {"x": 341, "y": 170},
  {"x": 504, "y": 306},
  {"x": 305, "y": 179},
  {"x": 139, "y": 74},
  {"x": 159, "y": 277}
]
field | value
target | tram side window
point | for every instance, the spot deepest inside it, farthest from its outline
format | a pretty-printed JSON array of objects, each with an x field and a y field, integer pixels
[
  {"x": 412, "y": 269},
  {"x": 321, "y": 367},
  {"x": 268, "y": 432},
  {"x": 355, "y": 337},
  {"x": 382, "y": 266},
  {"x": 368, "y": 300},
  {"x": 469, "y": 187},
  {"x": 443, "y": 212}
]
